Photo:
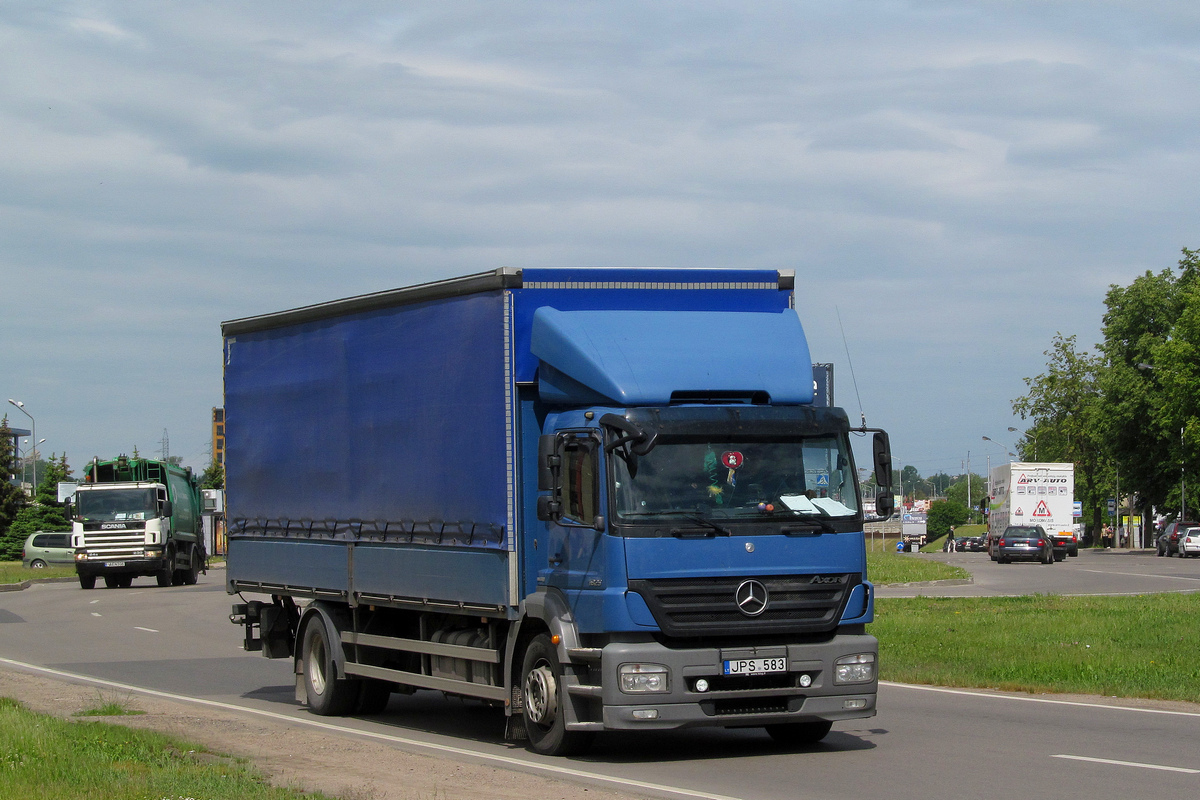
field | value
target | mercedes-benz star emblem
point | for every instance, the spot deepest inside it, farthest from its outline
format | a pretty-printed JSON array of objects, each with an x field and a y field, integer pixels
[{"x": 751, "y": 598}]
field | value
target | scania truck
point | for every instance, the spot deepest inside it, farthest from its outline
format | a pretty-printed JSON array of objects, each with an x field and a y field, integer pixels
[
  {"x": 135, "y": 516},
  {"x": 599, "y": 499}
]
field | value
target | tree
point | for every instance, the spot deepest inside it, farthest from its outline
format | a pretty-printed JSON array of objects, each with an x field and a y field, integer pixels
[
  {"x": 957, "y": 492},
  {"x": 1068, "y": 413},
  {"x": 45, "y": 513},
  {"x": 943, "y": 514},
  {"x": 213, "y": 477},
  {"x": 11, "y": 498}
]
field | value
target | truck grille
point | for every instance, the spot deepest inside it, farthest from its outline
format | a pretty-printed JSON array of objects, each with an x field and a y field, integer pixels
[
  {"x": 708, "y": 606},
  {"x": 107, "y": 546}
]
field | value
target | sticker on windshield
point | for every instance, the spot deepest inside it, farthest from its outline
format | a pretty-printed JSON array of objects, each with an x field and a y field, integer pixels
[{"x": 732, "y": 459}]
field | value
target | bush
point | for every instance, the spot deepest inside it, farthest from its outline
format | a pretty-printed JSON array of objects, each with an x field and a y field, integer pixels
[
  {"x": 30, "y": 519},
  {"x": 943, "y": 514}
]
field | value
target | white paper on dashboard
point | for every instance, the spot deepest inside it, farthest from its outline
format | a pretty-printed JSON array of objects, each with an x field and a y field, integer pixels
[
  {"x": 832, "y": 507},
  {"x": 798, "y": 502}
]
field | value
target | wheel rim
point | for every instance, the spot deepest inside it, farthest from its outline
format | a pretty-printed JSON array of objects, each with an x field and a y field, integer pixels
[
  {"x": 38, "y": 565},
  {"x": 541, "y": 695},
  {"x": 316, "y": 665}
]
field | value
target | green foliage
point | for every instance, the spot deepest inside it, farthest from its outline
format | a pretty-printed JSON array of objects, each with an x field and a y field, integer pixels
[
  {"x": 11, "y": 498},
  {"x": 943, "y": 514},
  {"x": 30, "y": 519},
  {"x": 213, "y": 477}
]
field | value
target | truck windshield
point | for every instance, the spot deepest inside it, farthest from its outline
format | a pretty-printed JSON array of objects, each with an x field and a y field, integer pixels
[
  {"x": 808, "y": 477},
  {"x": 110, "y": 505}
]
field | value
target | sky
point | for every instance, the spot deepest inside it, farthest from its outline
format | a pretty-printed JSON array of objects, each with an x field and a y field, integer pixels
[{"x": 952, "y": 182}]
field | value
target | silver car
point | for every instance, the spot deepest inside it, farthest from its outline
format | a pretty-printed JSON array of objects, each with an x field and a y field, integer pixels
[{"x": 48, "y": 550}]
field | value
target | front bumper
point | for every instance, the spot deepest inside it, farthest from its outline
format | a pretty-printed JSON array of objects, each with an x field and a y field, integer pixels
[
  {"x": 776, "y": 698},
  {"x": 121, "y": 566}
]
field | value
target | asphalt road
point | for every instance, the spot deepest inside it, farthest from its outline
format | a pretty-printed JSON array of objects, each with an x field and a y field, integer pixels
[
  {"x": 1109, "y": 572},
  {"x": 925, "y": 742}
]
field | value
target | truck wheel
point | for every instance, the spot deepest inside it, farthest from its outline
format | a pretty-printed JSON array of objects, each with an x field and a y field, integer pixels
[
  {"x": 192, "y": 573},
  {"x": 124, "y": 581},
  {"x": 87, "y": 581},
  {"x": 798, "y": 734},
  {"x": 163, "y": 576},
  {"x": 373, "y": 696},
  {"x": 328, "y": 695},
  {"x": 544, "y": 697}
]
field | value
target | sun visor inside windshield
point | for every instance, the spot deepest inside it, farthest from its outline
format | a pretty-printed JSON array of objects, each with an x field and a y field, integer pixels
[{"x": 649, "y": 358}]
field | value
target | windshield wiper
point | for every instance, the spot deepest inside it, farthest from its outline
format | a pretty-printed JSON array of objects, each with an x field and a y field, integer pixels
[
  {"x": 807, "y": 523},
  {"x": 688, "y": 515}
]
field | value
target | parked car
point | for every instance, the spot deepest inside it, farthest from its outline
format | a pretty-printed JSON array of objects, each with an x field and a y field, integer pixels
[
  {"x": 977, "y": 544},
  {"x": 1189, "y": 543},
  {"x": 1024, "y": 543},
  {"x": 48, "y": 550},
  {"x": 1167, "y": 543}
]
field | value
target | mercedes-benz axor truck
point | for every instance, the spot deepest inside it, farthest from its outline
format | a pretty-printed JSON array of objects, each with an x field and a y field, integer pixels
[
  {"x": 137, "y": 516},
  {"x": 599, "y": 499}
]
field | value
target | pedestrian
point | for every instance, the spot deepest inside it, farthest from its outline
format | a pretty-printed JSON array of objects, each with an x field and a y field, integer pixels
[{"x": 950, "y": 548}]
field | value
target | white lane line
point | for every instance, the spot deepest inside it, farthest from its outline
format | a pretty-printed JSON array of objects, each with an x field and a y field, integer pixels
[
  {"x": 1129, "y": 764},
  {"x": 147, "y": 630},
  {"x": 92, "y": 603},
  {"x": 1047, "y": 700},
  {"x": 1142, "y": 575},
  {"x": 528, "y": 766},
  {"x": 96, "y": 614}
]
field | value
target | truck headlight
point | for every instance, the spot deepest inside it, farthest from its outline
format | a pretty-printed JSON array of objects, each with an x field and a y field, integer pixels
[
  {"x": 154, "y": 552},
  {"x": 81, "y": 555},
  {"x": 858, "y": 668},
  {"x": 644, "y": 678}
]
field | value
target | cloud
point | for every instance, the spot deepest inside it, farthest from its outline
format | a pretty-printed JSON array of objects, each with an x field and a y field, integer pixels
[{"x": 957, "y": 182}]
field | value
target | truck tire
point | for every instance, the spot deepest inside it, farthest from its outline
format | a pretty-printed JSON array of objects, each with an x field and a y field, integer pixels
[
  {"x": 163, "y": 576},
  {"x": 798, "y": 734},
  {"x": 328, "y": 695},
  {"x": 87, "y": 581},
  {"x": 192, "y": 573},
  {"x": 124, "y": 581},
  {"x": 373, "y": 696},
  {"x": 544, "y": 697}
]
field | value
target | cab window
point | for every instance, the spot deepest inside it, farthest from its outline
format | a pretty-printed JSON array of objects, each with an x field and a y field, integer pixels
[{"x": 580, "y": 480}]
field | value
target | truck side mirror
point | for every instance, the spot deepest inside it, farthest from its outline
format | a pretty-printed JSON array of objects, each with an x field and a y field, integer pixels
[
  {"x": 883, "y": 461},
  {"x": 168, "y": 510},
  {"x": 884, "y": 504}
]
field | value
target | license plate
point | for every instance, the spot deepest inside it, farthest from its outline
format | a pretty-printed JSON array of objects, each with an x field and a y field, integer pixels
[
  {"x": 114, "y": 563},
  {"x": 756, "y": 666}
]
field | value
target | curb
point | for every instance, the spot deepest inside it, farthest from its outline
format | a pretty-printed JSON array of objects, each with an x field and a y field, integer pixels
[
  {"x": 25, "y": 584},
  {"x": 947, "y": 582}
]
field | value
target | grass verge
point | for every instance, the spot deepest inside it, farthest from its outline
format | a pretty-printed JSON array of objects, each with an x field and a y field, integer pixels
[
  {"x": 13, "y": 572},
  {"x": 45, "y": 758},
  {"x": 1142, "y": 646},
  {"x": 891, "y": 567}
]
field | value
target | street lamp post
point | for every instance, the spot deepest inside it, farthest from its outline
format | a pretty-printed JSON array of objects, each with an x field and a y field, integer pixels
[{"x": 33, "y": 436}]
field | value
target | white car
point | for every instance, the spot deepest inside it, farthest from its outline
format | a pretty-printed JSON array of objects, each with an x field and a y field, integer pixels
[{"x": 1189, "y": 543}]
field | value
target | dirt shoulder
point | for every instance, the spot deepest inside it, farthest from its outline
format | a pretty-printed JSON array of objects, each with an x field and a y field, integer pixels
[{"x": 339, "y": 766}]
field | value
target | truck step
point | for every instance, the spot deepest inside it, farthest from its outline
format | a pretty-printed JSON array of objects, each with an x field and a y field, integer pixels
[
  {"x": 585, "y": 726},
  {"x": 584, "y": 653},
  {"x": 583, "y": 690}
]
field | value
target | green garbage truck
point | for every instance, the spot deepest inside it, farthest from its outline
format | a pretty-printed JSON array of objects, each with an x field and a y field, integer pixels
[{"x": 137, "y": 517}]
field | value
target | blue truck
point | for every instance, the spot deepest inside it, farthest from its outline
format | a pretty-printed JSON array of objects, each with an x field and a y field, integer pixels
[{"x": 599, "y": 499}]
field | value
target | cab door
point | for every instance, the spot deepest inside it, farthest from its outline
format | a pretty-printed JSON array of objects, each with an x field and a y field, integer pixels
[{"x": 575, "y": 533}]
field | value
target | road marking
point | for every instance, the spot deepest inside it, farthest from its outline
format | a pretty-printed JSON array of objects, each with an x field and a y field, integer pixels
[
  {"x": 96, "y": 614},
  {"x": 530, "y": 766},
  {"x": 1142, "y": 575},
  {"x": 1047, "y": 700},
  {"x": 92, "y": 603},
  {"x": 1129, "y": 764},
  {"x": 147, "y": 630}
]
